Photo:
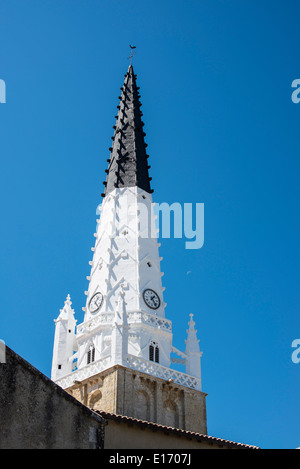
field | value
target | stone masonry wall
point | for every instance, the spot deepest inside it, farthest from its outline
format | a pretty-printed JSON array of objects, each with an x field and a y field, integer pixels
[
  {"x": 35, "y": 413},
  {"x": 130, "y": 393}
]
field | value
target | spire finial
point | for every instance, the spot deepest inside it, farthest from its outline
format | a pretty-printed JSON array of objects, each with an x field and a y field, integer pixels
[
  {"x": 132, "y": 53},
  {"x": 68, "y": 300}
]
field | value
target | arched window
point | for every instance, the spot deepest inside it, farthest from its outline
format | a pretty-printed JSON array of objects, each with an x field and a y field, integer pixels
[
  {"x": 94, "y": 400},
  {"x": 171, "y": 414},
  {"x": 154, "y": 352},
  {"x": 91, "y": 354},
  {"x": 142, "y": 405}
]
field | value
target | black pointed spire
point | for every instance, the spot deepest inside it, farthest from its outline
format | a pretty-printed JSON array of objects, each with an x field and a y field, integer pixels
[{"x": 128, "y": 165}]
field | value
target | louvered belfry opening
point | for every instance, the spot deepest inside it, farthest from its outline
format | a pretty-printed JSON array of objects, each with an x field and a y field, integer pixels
[
  {"x": 154, "y": 352},
  {"x": 91, "y": 355},
  {"x": 151, "y": 353},
  {"x": 128, "y": 163}
]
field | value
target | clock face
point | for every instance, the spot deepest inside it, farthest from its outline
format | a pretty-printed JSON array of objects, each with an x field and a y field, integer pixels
[
  {"x": 96, "y": 302},
  {"x": 151, "y": 299}
]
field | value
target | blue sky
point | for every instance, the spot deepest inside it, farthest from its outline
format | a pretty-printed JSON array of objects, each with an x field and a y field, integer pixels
[{"x": 215, "y": 78}]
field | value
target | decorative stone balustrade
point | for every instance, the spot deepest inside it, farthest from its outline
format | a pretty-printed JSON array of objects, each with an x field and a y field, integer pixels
[
  {"x": 154, "y": 369},
  {"x": 133, "y": 317}
]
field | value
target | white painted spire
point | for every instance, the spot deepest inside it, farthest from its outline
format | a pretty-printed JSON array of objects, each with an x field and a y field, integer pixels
[
  {"x": 192, "y": 351},
  {"x": 125, "y": 294},
  {"x": 126, "y": 254},
  {"x": 64, "y": 341}
]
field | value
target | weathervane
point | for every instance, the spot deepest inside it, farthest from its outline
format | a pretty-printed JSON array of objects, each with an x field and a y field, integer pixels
[{"x": 132, "y": 53}]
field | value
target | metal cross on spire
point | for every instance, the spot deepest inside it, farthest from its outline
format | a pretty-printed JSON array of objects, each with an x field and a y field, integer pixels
[{"x": 132, "y": 53}]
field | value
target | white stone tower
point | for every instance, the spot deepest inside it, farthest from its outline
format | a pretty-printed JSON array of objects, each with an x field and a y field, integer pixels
[{"x": 125, "y": 333}]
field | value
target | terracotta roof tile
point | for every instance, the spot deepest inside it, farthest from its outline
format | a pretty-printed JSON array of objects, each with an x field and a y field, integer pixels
[{"x": 187, "y": 434}]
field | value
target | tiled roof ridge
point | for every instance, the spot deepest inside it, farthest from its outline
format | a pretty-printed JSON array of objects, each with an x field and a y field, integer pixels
[{"x": 156, "y": 426}]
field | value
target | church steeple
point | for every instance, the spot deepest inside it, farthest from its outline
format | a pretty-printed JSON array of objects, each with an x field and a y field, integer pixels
[
  {"x": 125, "y": 342},
  {"x": 128, "y": 163}
]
